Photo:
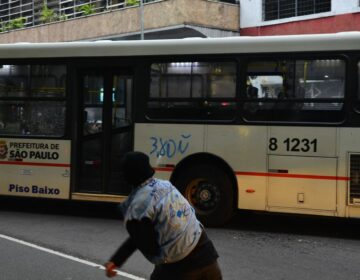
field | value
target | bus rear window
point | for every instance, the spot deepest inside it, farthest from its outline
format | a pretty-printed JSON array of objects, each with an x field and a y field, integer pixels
[
  {"x": 32, "y": 100},
  {"x": 295, "y": 90},
  {"x": 192, "y": 90}
]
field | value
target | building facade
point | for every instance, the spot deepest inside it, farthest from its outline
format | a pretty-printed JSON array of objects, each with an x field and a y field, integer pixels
[
  {"x": 74, "y": 20},
  {"x": 281, "y": 17},
  {"x": 78, "y": 20}
]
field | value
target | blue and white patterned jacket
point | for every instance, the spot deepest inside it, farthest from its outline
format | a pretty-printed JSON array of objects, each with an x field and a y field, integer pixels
[{"x": 175, "y": 224}]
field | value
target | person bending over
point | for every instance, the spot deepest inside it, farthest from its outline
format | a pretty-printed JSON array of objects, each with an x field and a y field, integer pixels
[{"x": 162, "y": 225}]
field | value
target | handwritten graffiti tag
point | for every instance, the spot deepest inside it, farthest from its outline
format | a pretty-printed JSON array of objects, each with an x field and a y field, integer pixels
[{"x": 163, "y": 147}]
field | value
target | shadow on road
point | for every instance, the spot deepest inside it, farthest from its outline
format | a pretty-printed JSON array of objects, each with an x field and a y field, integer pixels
[
  {"x": 295, "y": 224},
  {"x": 60, "y": 207}
]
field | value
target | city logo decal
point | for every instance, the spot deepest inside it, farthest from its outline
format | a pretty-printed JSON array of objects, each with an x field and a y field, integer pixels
[{"x": 3, "y": 149}]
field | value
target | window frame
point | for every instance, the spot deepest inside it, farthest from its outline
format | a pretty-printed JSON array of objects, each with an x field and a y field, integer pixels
[{"x": 296, "y": 11}]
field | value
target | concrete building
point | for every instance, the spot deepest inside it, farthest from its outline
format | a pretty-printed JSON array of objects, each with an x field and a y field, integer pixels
[
  {"x": 277, "y": 17},
  {"x": 74, "y": 20},
  {"x": 77, "y": 20}
]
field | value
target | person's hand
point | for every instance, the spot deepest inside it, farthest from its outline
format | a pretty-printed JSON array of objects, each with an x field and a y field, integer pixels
[{"x": 110, "y": 269}]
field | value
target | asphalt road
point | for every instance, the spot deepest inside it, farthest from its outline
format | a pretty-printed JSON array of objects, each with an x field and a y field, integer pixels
[
  {"x": 19, "y": 261},
  {"x": 70, "y": 241}
]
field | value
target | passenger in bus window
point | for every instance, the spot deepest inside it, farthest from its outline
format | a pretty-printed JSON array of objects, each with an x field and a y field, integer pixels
[
  {"x": 252, "y": 91},
  {"x": 163, "y": 226}
]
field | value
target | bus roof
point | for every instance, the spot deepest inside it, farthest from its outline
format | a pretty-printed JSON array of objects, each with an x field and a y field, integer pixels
[{"x": 241, "y": 44}]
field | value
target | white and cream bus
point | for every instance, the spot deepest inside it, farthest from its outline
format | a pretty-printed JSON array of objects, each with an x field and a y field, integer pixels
[{"x": 258, "y": 123}]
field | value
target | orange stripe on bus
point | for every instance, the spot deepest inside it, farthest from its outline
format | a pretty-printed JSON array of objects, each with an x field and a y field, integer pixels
[
  {"x": 169, "y": 169},
  {"x": 35, "y": 163},
  {"x": 298, "y": 176},
  {"x": 282, "y": 175}
]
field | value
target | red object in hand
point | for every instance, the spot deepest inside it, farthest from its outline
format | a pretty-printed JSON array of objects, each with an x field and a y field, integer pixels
[{"x": 110, "y": 269}]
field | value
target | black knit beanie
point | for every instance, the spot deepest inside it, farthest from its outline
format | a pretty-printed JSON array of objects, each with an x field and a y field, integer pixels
[{"x": 136, "y": 168}]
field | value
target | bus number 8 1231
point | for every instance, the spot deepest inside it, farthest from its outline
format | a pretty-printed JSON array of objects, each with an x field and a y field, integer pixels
[{"x": 294, "y": 145}]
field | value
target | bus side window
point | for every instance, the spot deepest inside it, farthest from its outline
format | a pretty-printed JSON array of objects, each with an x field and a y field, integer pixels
[
  {"x": 297, "y": 90},
  {"x": 192, "y": 90},
  {"x": 356, "y": 103},
  {"x": 358, "y": 89},
  {"x": 32, "y": 100}
]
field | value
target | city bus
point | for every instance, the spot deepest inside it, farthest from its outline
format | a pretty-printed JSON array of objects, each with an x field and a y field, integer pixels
[{"x": 256, "y": 123}]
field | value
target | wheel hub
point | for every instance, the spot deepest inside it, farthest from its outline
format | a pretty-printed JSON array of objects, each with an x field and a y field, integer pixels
[{"x": 204, "y": 195}]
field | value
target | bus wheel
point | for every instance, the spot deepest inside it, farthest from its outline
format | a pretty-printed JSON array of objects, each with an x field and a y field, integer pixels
[{"x": 209, "y": 191}]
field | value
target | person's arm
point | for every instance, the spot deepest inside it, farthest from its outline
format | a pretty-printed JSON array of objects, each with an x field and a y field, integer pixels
[
  {"x": 142, "y": 237},
  {"x": 124, "y": 252},
  {"x": 119, "y": 257}
]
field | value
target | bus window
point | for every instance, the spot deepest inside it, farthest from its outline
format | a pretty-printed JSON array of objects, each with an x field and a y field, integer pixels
[
  {"x": 121, "y": 95},
  {"x": 358, "y": 95},
  {"x": 32, "y": 118},
  {"x": 48, "y": 81},
  {"x": 14, "y": 80},
  {"x": 93, "y": 100},
  {"x": 192, "y": 90},
  {"x": 265, "y": 86},
  {"x": 32, "y": 100},
  {"x": 288, "y": 90}
]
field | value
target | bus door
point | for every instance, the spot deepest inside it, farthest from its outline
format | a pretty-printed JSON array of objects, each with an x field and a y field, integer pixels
[{"x": 105, "y": 131}]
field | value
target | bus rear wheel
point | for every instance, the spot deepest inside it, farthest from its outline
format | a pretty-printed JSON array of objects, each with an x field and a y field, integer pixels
[{"x": 209, "y": 190}]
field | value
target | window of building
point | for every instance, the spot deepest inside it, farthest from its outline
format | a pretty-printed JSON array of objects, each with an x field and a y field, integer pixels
[
  {"x": 278, "y": 9},
  {"x": 295, "y": 90},
  {"x": 192, "y": 90},
  {"x": 32, "y": 100}
]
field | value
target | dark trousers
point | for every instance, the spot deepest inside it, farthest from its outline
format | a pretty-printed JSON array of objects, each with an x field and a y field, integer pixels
[{"x": 208, "y": 272}]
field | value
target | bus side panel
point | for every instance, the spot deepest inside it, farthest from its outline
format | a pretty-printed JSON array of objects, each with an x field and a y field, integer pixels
[
  {"x": 349, "y": 145},
  {"x": 303, "y": 169},
  {"x": 167, "y": 144},
  {"x": 244, "y": 149},
  {"x": 306, "y": 191},
  {"x": 35, "y": 168}
]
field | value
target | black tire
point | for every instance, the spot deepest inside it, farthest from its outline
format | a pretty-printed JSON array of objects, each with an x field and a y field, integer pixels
[{"x": 209, "y": 190}]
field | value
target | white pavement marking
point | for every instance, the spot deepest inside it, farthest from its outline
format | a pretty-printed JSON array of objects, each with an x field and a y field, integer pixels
[{"x": 50, "y": 251}]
